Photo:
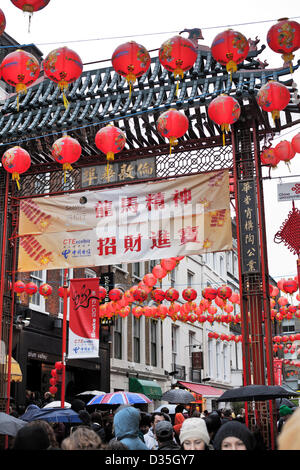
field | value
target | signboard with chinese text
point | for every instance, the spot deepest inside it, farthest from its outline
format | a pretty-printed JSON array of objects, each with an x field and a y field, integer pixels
[
  {"x": 277, "y": 365},
  {"x": 288, "y": 191},
  {"x": 107, "y": 280},
  {"x": 248, "y": 227},
  {"x": 150, "y": 220},
  {"x": 84, "y": 318},
  {"x": 118, "y": 172}
]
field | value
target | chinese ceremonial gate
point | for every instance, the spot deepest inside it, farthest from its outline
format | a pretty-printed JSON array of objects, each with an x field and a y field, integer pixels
[{"x": 100, "y": 96}]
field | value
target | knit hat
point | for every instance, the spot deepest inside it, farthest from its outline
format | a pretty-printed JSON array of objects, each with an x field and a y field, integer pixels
[
  {"x": 194, "y": 428},
  {"x": 164, "y": 431},
  {"x": 285, "y": 410},
  {"x": 234, "y": 429},
  {"x": 289, "y": 438}
]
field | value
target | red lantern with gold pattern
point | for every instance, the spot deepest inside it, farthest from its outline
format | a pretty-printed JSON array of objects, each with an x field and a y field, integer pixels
[
  {"x": 169, "y": 264},
  {"x": 177, "y": 55},
  {"x": 16, "y": 161},
  {"x": 284, "y": 37},
  {"x": 189, "y": 294},
  {"x": 290, "y": 286},
  {"x": 66, "y": 150},
  {"x": 158, "y": 295},
  {"x": 230, "y": 48},
  {"x": 150, "y": 280},
  {"x": 140, "y": 295},
  {"x": 61, "y": 292},
  {"x": 19, "y": 287},
  {"x": 45, "y": 290},
  {"x": 30, "y": 6},
  {"x": 31, "y": 288},
  {"x": 284, "y": 151},
  {"x": 296, "y": 143},
  {"x": 268, "y": 157},
  {"x": 224, "y": 292},
  {"x": 131, "y": 60},
  {"x": 273, "y": 97},
  {"x": 172, "y": 124},
  {"x": 110, "y": 140},
  {"x": 2, "y": 22},
  {"x": 159, "y": 272},
  {"x": 20, "y": 69},
  {"x": 115, "y": 294},
  {"x": 102, "y": 293},
  {"x": 224, "y": 110},
  {"x": 63, "y": 66},
  {"x": 209, "y": 293},
  {"x": 172, "y": 294}
]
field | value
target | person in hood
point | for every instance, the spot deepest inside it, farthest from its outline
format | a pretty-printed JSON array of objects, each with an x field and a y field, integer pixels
[{"x": 126, "y": 426}]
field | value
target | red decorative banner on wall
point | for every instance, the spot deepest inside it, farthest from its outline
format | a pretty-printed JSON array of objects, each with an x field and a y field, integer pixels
[
  {"x": 277, "y": 371},
  {"x": 84, "y": 318}
]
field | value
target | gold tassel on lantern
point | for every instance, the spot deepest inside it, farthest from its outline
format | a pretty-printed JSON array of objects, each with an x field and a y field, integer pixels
[
  {"x": 173, "y": 142},
  {"x": 288, "y": 60},
  {"x": 63, "y": 85},
  {"x": 178, "y": 72},
  {"x": 130, "y": 78},
  {"x": 66, "y": 167},
  {"x": 20, "y": 89},
  {"x": 224, "y": 128},
  {"x": 110, "y": 156},
  {"x": 16, "y": 178}
]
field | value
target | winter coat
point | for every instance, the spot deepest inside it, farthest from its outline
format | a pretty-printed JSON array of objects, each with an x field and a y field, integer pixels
[
  {"x": 126, "y": 425},
  {"x": 168, "y": 445},
  {"x": 150, "y": 440}
]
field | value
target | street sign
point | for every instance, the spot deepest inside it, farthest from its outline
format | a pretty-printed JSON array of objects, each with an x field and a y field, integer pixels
[{"x": 288, "y": 191}]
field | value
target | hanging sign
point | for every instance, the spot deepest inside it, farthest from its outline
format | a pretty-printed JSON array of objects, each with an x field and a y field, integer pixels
[
  {"x": 84, "y": 318},
  {"x": 176, "y": 217},
  {"x": 288, "y": 191},
  {"x": 277, "y": 365}
]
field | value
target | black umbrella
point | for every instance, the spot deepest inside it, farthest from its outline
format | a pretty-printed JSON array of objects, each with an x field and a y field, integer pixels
[
  {"x": 177, "y": 395},
  {"x": 286, "y": 402},
  {"x": 256, "y": 393}
]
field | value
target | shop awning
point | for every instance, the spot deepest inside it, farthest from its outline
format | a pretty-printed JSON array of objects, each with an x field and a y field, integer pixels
[
  {"x": 204, "y": 390},
  {"x": 16, "y": 373},
  {"x": 147, "y": 387}
]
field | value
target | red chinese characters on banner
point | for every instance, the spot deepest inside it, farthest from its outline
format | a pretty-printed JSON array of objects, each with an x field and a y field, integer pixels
[
  {"x": 84, "y": 318},
  {"x": 160, "y": 239},
  {"x": 107, "y": 246},
  {"x": 103, "y": 209}
]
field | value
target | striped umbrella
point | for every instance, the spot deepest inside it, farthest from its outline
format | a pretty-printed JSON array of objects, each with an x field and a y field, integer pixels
[{"x": 119, "y": 398}]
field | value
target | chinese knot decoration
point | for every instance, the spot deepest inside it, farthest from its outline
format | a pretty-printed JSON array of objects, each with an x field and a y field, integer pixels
[
  {"x": 230, "y": 48},
  {"x": 30, "y": 6},
  {"x": 16, "y": 161},
  {"x": 110, "y": 140},
  {"x": 63, "y": 66},
  {"x": 131, "y": 60},
  {"x": 66, "y": 151},
  {"x": 177, "y": 55},
  {"x": 172, "y": 124},
  {"x": 284, "y": 38},
  {"x": 2, "y": 22},
  {"x": 273, "y": 97},
  {"x": 20, "y": 69},
  {"x": 224, "y": 111}
]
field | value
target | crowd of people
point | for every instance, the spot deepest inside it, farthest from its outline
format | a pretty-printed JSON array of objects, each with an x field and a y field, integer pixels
[{"x": 129, "y": 428}]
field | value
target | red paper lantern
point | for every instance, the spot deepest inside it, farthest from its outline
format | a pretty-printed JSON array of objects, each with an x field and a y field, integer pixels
[
  {"x": 274, "y": 291},
  {"x": 59, "y": 365},
  {"x": 212, "y": 310},
  {"x": 296, "y": 143},
  {"x": 268, "y": 157},
  {"x": 66, "y": 150},
  {"x": 159, "y": 272},
  {"x": 140, "y": 295},
  {"x": 282, "y": 301},
  {"x": 172, "y": 124},
  {"x": 284, "y": 38},
  {"x": 61, "y": 292},
  {"x": 177, "y": 55},
  {"x": 137, "y": 312},
  {"x": 53, "y": 373},
  {"x": 273, "y": 97},
  {"x": 20, "y": 69},
  {"x": 53, "y": 381},
  {"x": 16, "y": 161},
  {"x": 169, "y": 264},
  {"x": 102, "y": 293},
  {"x": 290, "y": 286},
  {"x": 189, "y": 294},
  {"x": 150, "y": 280},
  {"x": 115, "y": 294},
  {"x": 19, "y": 287},
  {"x": 209, "y": 293},
  {"x": 172, "y": 294},
  {"x": 2, "y": 22},
  {"x": 31, "y": 288},
  {"x": 284, "y": 151},
  {"x": 280, "y": 284},
  {"x": 30, "y": 5},
  {"x": 110, "y": 140},
  {"x": 53, "y": 390},
  {"x": 224, "y": 292},
  {"x": 230, "y": 48},
  {"x": 131, "y": 60},
  {"x": 158, "y": 295},
  {"x": 234, "y": 298},
  {"x": 45, "y": 290},
  {"x": 63, "y": 66},
  {"x": 224, "y": 110}
]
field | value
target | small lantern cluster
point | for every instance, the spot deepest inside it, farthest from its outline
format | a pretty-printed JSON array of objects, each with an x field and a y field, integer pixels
[{"x": 55, "y": 377}]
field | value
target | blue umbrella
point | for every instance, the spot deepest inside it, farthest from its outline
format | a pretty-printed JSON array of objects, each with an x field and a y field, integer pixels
[
  {"x": 30, "y": 413},
  {"x": 54, "y": 415}
]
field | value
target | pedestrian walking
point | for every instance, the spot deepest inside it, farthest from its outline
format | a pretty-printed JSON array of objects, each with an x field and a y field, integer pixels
[
  {"x": 165, "y": 436},
  {"x": 234, "y": 435},
  {"x": 149, "y": 438},
  {"x": 126, "y": 426},
  {"x": 193, "y": 435}
]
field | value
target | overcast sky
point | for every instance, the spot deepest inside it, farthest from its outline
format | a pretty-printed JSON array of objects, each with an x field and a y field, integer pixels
[{"x": 94, "y": 28}]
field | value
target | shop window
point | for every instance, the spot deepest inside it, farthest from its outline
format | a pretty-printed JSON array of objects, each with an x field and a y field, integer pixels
[
  {"x": 154, "y": 343},
  {"x": 118, "y": 338},
  {"x": 136, "y": 340}
]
